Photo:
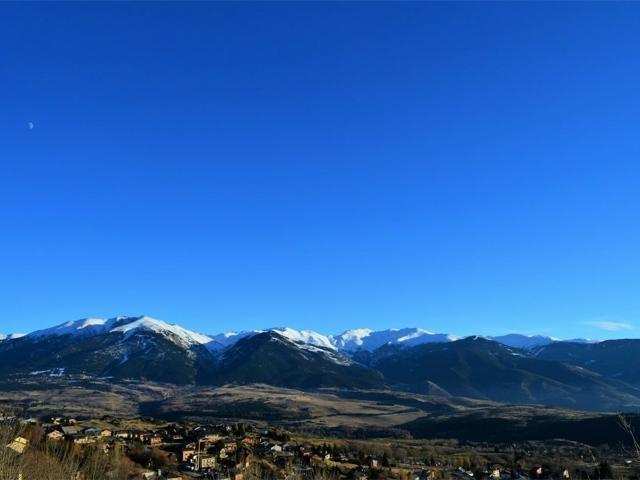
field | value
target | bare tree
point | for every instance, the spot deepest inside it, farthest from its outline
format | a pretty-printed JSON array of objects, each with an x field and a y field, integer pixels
[{"x": 627, "y": 426}]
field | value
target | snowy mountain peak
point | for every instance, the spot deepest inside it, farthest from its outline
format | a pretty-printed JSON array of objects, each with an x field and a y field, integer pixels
[
  {"x": 186, "y": 337},
  {"x": 307, "y": 337},
  {"x": 367, "y": 339},
  {"x": 352, "y": 338},
  {"x": 123, "y": 325},
  {"x": 349, "y": 341},
  {"x": 84, "y": 326}
]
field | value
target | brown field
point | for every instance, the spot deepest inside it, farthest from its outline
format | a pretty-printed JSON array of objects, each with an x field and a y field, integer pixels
[{"x": 326, "y": 412}]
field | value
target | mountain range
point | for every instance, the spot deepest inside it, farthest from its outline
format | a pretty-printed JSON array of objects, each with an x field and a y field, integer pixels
[
  {"x": 513, "y": 368},
  {"x": 348, "y": 341}
]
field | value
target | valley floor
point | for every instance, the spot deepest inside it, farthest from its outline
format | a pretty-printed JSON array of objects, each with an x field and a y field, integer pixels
[{"x": 326, "y": 412}]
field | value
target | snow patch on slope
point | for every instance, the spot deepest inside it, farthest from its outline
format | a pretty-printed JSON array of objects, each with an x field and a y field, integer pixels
[
  {"x": 309, "y": 341},
  {"x": 221, "y": 341}
]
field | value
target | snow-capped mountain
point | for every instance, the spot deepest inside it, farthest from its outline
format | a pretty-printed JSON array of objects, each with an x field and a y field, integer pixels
[
  {"x": 125, "y": 326},
  {"x": 272, "y": 358},
  {"x": 84, "y": 326},
  {"x": 186, "y": 337},
  {"x": 307, "y": 337},
  {"x": 120, "y": 347},
  {"x": 369, "y": 340},
  {"x": 350, "y": 341}
]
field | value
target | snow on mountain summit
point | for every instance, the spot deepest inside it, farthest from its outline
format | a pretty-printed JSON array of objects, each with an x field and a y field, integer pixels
[
  {"x": 123, "y": 325},
  {"x": 367, "y": 339},
  {"x": 84, "y": 326},
  {"x": 349, "y": 341},
  {"x": 188, "y": 337},
  {"x": 307, "y": 337},
  {"x": 352, "y": 338}
]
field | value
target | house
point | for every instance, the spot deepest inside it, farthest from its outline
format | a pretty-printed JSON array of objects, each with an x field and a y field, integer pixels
[
  {"x": 19, "y": 445},
  {"x": 229, "y": 445},
  {"x": 155, "y": 439},
  {"x": 70, "y": 430},
  {"x": 188, "y": 452},
  {"x": 106, "y": 433},
  {"x": 153, "y": 475},
  {"x": 84, "y": 440},
  {"x": 212, "y": 437},
  {"x": 203, "y": 460},
  {"x": 55, "y": 435}
]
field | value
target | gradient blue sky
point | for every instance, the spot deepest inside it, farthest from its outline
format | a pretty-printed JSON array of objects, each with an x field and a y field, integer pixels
[{"x": 467, "y": 168}]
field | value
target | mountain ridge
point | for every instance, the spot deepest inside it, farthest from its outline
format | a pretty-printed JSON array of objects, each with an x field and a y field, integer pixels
[
  {"x": 350, "y": 340},
  {"x": 538, "y": 370}
]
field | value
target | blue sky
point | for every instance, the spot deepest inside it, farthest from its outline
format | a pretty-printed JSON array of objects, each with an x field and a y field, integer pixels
[{"x": 467, "y": 168}]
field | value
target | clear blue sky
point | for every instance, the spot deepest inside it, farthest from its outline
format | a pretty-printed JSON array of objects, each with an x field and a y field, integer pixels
[{"x": 467, "y": 168}]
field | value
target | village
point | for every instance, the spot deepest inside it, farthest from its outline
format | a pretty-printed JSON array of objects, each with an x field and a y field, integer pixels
[{"x": 242, "y": 451}]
